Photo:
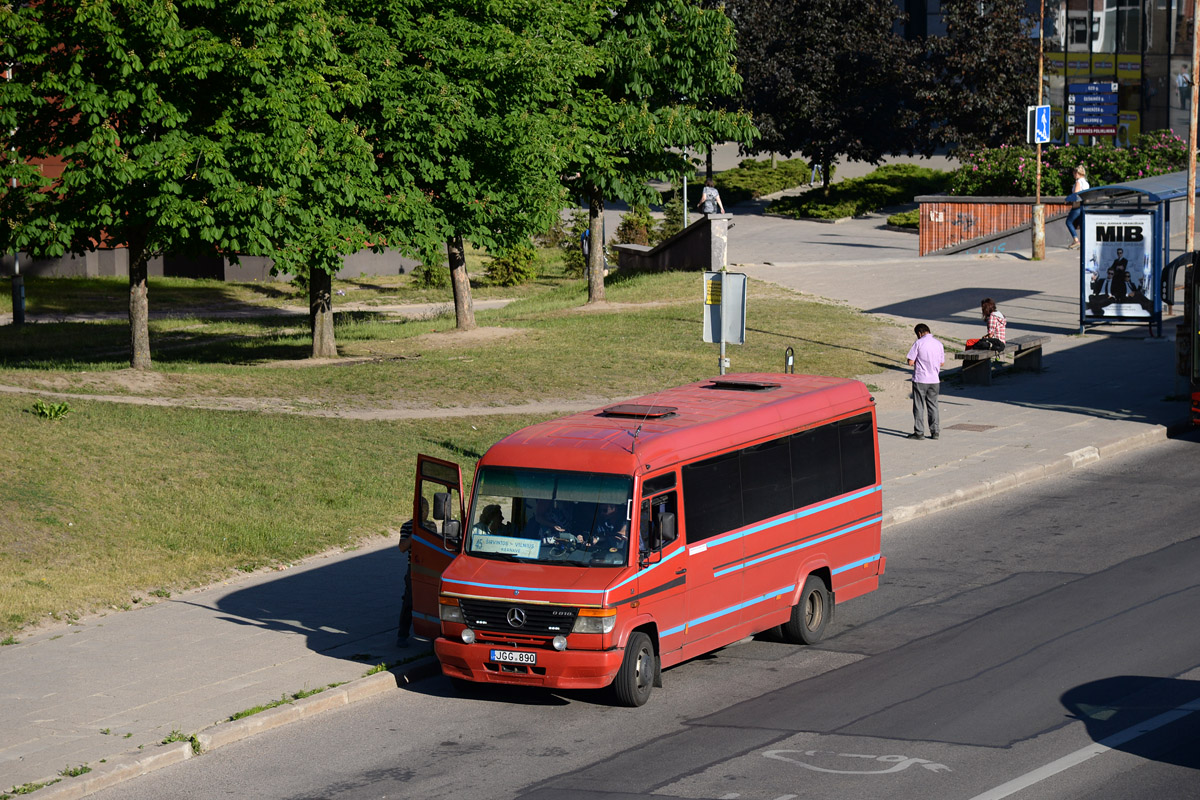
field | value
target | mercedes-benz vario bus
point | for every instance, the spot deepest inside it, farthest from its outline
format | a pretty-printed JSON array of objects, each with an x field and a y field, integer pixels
[{"x": 601, "y": 547}]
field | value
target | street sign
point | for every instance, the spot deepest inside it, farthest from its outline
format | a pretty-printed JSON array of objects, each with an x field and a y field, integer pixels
[
  {"x": 1038, "y": 124},
  {"x": 1092, "y": 109}
]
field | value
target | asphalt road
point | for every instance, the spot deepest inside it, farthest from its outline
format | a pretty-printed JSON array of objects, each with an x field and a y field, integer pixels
[{"x": 1019, "y": 648}]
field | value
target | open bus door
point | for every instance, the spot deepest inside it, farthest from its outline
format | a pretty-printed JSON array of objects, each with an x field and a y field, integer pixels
[{"x": 439, "y": 489}]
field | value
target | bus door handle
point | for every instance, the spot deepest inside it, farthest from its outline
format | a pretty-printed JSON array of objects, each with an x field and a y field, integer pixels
[{"x": 681, "y": 571}]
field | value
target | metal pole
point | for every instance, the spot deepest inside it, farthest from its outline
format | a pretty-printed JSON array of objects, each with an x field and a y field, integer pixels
[
  {"x": 1190, "y": 222},
  {"x": 1039, "y": 211},
  {"x": 18, "y": 282},
  {"x": 685, "y": 200},
  {"x": 722, "y": 326}
]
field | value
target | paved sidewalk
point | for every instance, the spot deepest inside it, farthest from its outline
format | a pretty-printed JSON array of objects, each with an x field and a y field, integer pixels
[{"x": 109, "y": 690}]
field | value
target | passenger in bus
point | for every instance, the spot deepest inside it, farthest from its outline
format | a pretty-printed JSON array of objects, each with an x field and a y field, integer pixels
[{"x": 491, "y": 521}]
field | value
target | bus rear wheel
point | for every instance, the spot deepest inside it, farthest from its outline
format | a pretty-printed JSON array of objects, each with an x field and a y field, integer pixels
[
  {"x": 636, "y": 676},
  {"x": 810, "y": 615}
]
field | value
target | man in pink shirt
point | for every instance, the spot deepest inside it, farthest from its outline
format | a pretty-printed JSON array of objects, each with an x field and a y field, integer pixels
[{"x": 926, "y": 357}]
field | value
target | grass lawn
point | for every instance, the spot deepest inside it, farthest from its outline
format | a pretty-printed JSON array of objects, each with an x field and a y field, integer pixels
[{"x": 118, "y": 502}]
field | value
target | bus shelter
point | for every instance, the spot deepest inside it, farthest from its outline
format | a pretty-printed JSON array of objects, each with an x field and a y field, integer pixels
[{"x": 1125, "y": 247}]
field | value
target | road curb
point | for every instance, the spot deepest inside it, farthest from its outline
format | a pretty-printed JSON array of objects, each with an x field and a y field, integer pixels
[
  {"x": 1008, "y": 481},
  {"x": 130, "y": 765}
]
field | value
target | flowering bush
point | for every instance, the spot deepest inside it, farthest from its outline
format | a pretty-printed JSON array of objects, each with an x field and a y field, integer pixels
[{"x": 1009, "y": 171}]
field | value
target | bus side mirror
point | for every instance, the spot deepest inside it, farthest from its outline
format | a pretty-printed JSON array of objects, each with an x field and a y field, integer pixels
[
  {"x": 452, "y": 535},
  {"x": 666, "y": 529},
  {"x": 441, "y": 505}
]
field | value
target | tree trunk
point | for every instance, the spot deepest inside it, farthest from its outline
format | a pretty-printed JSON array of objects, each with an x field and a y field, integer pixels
[
  {"x": 320, "y": 313},
  {"x": 464, "y": 309},
  {"x": 825, "y": 170},
  {"x": 595, "y": 265},
  {"x": 708, "y": 170},
  {"x": 139, "y": 306}
]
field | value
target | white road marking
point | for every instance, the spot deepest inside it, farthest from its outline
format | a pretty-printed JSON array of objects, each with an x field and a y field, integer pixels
[{"x": 1091, "y": 751}]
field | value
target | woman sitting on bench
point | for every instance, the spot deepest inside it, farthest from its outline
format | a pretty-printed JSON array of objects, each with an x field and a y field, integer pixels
[{"x": 994, "y": 338}]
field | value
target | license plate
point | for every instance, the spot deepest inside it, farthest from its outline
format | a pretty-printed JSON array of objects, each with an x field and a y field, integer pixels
[{"x": 513, "y": 657}]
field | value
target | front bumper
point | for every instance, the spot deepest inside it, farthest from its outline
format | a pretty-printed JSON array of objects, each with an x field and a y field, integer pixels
[{"x": 555, "y": 669}]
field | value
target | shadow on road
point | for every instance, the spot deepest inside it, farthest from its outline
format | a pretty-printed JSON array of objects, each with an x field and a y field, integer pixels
[{"x": 1115, "y": 709}]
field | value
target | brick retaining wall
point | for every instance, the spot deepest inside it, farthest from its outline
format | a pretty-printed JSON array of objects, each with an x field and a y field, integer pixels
[{"x": 948, "y": 222}]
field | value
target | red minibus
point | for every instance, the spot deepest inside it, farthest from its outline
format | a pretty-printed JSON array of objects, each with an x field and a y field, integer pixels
[{"x": 606, "y": 545}]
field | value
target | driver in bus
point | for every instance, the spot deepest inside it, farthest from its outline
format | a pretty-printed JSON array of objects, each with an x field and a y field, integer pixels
[
  {"x": 612, "y": 531},
  {"x": 546, "y": 523}
]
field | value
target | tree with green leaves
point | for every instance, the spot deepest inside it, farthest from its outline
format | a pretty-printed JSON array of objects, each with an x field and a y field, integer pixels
[
  {"x": 466, "y": 104},
  {"x": 828, "y": 79},
  {"x": 183, "y": 126},
  {"x": 663, "y": 62},
  {"x": 980, "y": 77}
]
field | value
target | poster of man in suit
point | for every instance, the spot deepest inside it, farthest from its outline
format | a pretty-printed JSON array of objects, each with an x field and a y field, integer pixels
[{"x": 1118, "y": 280}]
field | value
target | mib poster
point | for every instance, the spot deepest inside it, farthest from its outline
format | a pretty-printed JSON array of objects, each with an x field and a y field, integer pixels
[{"x": 1118, "y": 266}]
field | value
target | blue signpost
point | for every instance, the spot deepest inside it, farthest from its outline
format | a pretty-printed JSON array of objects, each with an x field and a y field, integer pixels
[{"x": 1092, "y": 109}]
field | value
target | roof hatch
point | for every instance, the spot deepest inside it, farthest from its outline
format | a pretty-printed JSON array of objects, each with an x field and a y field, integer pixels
[
  {"x": 634, "y": 410},
  {"x": 743, "y": 386}
]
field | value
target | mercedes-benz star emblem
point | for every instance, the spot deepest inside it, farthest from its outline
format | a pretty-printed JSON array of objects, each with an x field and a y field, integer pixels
[{"x": 516, "y": 617}]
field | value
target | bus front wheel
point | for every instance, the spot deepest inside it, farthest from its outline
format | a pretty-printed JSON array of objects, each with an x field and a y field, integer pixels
[
  {"x": 810, "y": 615},
  {"x": 636, "y": 676}
]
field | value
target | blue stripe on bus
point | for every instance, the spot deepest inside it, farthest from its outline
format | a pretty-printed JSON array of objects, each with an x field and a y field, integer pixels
[
  {"x": 730, "y": 610},
  {"x": 801, "y": 546},
  {"x": 522, "y": 588},
  {"x": 863, "y": 562},
  {"x": 710, "y": 543},
  {"x": 433, "y": 546}
]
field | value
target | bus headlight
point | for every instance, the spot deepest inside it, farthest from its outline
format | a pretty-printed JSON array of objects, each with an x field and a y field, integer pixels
[
  {"x": 559, "y": 642},
  {"x": 595, "y": 620},
  {"x": 468, "y": 636},
  {"x": 449, "y": 610}
]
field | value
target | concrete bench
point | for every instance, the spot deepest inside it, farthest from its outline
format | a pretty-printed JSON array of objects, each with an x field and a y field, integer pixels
[{"x": 1023, "y": 352}]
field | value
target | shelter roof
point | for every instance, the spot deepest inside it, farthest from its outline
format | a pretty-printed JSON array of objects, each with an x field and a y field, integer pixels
[{"x": 1156, "y": 189}]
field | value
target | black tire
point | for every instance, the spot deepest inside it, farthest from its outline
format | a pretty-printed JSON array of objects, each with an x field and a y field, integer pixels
[
  {"x": 810, "y": 615},
  {"x": 638, "y": 671}
]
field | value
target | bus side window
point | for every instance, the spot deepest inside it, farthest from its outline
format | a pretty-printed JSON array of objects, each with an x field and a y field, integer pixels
[{"x": 654, "y": 511}]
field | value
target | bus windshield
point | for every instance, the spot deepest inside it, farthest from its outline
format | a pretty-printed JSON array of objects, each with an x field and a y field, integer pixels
[{"x": 544, "y": 516}]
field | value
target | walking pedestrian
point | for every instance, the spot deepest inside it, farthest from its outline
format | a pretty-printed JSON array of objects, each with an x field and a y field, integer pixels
[
  {"x": 710, "y": 198},
  {"x": 1184, "y": 83},
  {"x": 926, "y": 357},
  {"x": 1081, "y": 185}
]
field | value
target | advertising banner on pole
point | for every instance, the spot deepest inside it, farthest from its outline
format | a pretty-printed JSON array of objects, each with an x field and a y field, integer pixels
[{"x": 1120, "y": 269}]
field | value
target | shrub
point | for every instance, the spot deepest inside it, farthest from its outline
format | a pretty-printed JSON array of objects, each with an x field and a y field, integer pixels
[
  {"x": 573, "y": 262},
  {"x": 672, "y": 222},
  {"x": 749, "y": 180},
  {"x": 1011, "y": 171},
  {"x": 890, "y": 185},
  {"x": 906, "y": 219},
  {"x": 513, "y": 266},
  {"x": 636, "y": 227},
  {"x": 435, "y": 276}
]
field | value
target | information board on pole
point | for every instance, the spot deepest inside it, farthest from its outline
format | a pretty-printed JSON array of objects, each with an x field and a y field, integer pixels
[
  {"x": 725, "y": 307},
  {"x": 1092, "y": 109}
]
